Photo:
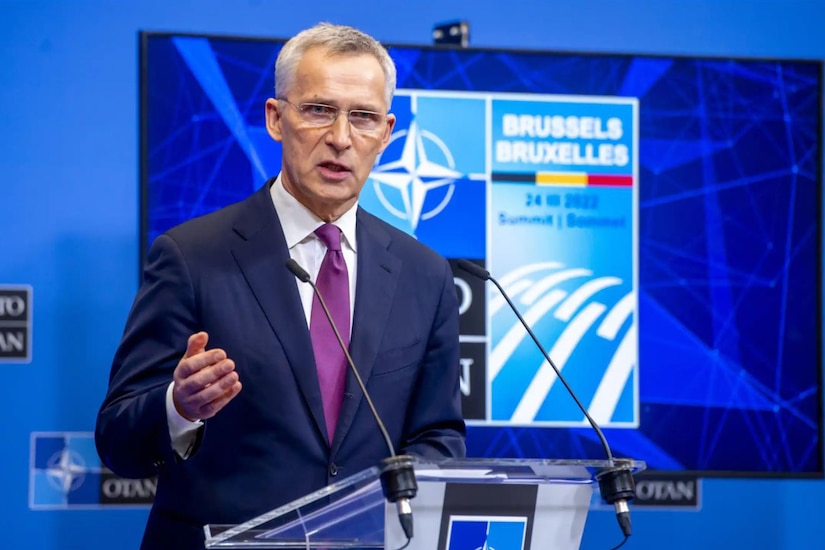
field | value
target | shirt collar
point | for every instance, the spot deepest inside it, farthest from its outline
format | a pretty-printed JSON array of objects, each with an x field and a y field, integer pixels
[{"x": 299, "y": 223}]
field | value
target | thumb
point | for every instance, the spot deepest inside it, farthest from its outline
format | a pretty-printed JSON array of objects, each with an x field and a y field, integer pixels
[{"x": 196, "y": 344}]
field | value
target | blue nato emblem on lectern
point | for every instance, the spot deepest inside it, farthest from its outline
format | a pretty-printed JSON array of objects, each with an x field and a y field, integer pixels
[{"x": 486, "y": 533}]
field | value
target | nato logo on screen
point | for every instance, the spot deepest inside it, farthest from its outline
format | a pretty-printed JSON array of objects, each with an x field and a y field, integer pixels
[
  {"x": 65, "y": 473},
  {"x": 431, "y": 179},
  {"x": 487, "y": 533}
]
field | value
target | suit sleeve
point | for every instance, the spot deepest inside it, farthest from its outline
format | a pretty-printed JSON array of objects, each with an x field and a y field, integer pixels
[
  {"x": 435, "y": 426},
  {"x": 132, "y": 432}
]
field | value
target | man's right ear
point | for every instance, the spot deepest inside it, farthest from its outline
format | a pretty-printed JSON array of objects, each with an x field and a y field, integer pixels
[{"x": 273, "y": 119}]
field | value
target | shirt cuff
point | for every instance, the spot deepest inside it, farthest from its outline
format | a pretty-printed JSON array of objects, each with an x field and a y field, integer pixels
[{"x": 182, "y": 432}]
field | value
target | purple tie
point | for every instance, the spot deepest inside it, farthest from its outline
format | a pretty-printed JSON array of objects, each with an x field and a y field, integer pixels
[{"x": 333, "y": 284}]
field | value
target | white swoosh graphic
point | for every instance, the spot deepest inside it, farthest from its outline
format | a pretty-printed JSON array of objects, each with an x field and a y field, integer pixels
[
  {"x": 542, "y": 383},
  {"x": 504, "y": 349},
  {"x": 615, "y": 379}
]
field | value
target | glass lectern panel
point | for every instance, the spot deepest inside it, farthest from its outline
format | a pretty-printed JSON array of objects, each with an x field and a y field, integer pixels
[{"x": 350, "y": 513}]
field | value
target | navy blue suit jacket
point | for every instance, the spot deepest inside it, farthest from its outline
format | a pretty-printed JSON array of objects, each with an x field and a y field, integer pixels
[{"x": 225, "y": 273}]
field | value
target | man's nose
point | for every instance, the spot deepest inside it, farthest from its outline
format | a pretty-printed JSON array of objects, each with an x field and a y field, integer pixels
[{"x": 340, "y": 133}]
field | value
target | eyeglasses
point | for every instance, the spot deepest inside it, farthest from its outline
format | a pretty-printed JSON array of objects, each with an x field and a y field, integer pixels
[{"x": 318, "y": 114}]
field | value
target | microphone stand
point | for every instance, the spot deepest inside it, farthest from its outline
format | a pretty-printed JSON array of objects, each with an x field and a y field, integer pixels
[{"x": 397, "y": 473}]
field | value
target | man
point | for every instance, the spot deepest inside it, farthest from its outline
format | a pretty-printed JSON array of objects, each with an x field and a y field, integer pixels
[{"x": 228, "y": 383}]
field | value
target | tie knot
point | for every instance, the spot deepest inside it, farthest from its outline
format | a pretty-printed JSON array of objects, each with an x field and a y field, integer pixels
[{"x": 331, "y": 236}]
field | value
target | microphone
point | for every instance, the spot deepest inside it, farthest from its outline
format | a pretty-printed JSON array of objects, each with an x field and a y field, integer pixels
[
  {"x": 397, "y": 473},
  {"x": 616, "y": 481}
]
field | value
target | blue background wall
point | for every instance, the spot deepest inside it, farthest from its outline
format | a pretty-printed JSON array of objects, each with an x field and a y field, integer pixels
[{"x": 69, "y": 209}]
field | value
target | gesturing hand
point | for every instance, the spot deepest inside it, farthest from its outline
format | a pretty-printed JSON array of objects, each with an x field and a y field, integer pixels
[{"x": 205, "y": 381}]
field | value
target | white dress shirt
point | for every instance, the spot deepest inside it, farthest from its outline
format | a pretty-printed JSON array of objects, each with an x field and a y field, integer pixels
[{"x": 299, "y": 225}]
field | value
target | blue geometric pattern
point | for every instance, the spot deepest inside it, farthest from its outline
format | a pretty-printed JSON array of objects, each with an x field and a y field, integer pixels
[{"x": 730, "y": 171}]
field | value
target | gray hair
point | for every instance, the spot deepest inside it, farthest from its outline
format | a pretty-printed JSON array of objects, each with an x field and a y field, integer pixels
[{"x": 335, "y": 40}]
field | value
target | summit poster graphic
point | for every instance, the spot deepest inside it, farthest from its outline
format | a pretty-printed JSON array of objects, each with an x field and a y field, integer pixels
[
  {"x": 543, "y": 191},
  {"x": 563, "y": 240}
]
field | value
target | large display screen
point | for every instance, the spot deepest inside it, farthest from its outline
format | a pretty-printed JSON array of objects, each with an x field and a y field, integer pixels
[{"x": 656, "y": 221}]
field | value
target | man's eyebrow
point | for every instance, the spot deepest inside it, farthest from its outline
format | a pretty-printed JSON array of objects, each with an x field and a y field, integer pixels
[
  {"x": 358, "y": 106},
  {"x": 365, "y": 107}
]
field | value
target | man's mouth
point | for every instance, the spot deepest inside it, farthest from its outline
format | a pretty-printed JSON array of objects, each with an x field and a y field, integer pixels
[{"x": 335, "y": 167}]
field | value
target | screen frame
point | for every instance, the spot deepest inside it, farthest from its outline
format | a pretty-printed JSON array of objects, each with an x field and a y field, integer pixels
[{"x": 145, "y": 36}]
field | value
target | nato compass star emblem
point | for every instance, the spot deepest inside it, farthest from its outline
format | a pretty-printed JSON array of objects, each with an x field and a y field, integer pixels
[
  {"x": 414, "y": 175},
  {"x": 66, "y": 470}
]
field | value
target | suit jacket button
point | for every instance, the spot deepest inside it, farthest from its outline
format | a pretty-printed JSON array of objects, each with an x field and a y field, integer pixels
[{"x": 333, "y": 470}]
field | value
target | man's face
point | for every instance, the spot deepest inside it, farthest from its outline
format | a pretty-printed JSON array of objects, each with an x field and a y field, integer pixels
[{"x": 326, "y": 167}]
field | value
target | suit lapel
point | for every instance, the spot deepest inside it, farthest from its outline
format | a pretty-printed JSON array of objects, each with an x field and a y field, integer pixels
[
  {"x": 378, "y": 272},
  {"x": 261, "y": 255}
]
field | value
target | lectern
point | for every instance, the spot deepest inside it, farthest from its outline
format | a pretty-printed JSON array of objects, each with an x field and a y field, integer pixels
[{"x": 461, "y": 504}]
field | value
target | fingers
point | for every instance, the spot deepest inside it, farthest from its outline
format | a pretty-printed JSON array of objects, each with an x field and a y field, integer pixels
[
  {"x": 195, "y": 366},
  {"x": 224, "y": 378},
  {"x": 204, "y": 381},
  {"x": 202, "y": 395},
  {"x": 196, "y": 344},
  {"x": 211, "y": 408}
]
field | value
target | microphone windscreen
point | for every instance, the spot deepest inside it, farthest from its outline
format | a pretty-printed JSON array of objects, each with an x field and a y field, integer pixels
[
  {"x": 297, "y": 270},
  {"x": 474, "y": 269}
]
